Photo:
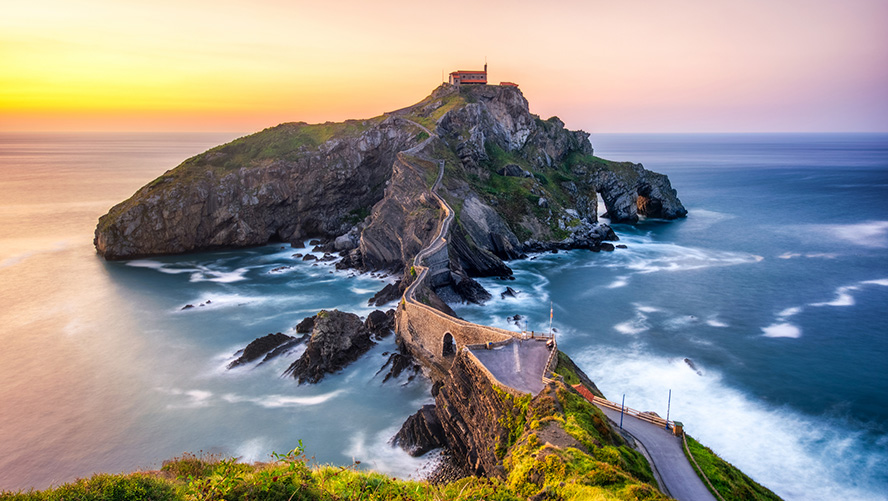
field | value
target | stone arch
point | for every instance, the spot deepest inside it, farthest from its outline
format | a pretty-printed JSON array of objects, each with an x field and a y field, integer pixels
[{"x": 448, "y": 346}]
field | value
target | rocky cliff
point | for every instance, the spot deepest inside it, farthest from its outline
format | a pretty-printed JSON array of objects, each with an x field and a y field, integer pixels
[
  {"x": 537, "y": 444},
  {"x": 517, "y": 182}
]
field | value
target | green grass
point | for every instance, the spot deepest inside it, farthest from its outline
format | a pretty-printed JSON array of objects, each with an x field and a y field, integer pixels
[{"x": 731, "y": 483}]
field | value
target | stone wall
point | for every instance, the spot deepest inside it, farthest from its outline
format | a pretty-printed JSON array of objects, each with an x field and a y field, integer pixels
[{"x": 423, "y": 329}]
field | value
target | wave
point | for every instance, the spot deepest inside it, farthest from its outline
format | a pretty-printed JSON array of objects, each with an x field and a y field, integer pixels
[
  {"x": 380, "y": 455},
  {"x": 279, "y": 401},
  {"x": 722, "y": 418},
  {"x": 784, "y": 329},
  {"x": 872, "y": 234}
]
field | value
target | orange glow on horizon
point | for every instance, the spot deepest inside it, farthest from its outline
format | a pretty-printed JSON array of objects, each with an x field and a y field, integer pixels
[{"x": 675, "y": 66}]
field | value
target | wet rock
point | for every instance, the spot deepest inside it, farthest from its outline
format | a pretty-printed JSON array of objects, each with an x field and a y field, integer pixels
[
  {"x": 509, "y": 292},
  {"x": 310, "y": 257},
  {"x": 380, "y": 323},
  {"x": 298, "y": 255},
  {"x": 471, "y": 291},
  {"x": 421, "y": 432},
  {"x": 693, "y": 366},
  {"x": 260, "y": 347},
  {"x": 306, "y": 325},
  {"x": 389, "y": 293},
  {"x": 337, "y": 339}
]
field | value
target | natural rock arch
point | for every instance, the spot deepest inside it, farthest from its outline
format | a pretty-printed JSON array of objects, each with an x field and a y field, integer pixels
[{"x": 448, "y": 345}]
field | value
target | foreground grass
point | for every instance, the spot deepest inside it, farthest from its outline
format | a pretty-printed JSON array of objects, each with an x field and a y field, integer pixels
[{"x": 288, "y": 478}]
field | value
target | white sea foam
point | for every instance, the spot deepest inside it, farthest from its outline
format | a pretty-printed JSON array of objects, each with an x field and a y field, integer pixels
[
  {"x": 744, "y": 431},
  {"x": 279, "y": 401},
  {"x": 644, "y": 256},
  {"x": 882, "y": 281},
  {"x": 633, "y": 327},
  {"x": 193, "y": 398},
  {"x": 872, "y": 234},
  {"x": 621, "y": 281},
  {"x": 713, "y": 321},
  {"x": 789, "y": 312},
  {"x": 380, "y": 455},
  {"x": 843, "y": 297},
  {"x": 254, "y": 449},
  {"x": 784, "y": 329},
  {"x": 647, "y": 309}
]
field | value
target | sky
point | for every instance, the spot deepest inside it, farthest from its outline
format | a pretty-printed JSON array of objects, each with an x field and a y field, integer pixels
[{"x": 601, "y": 66}]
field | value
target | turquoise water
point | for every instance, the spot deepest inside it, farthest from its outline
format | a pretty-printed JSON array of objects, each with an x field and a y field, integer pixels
[{"x": 775, "y": 288}]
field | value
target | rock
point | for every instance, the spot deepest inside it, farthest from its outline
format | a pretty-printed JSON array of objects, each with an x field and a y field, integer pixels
[
  {"x": 337, "y": 339},
  {"x": 306, "y": 325},
  {"x": 509, "y": 292},
  {"x": 513, "y": 170},
  {"x": 487, "y": 230},
  {"x": 471, "y": 291},
  {"x": 345, "y": 242},
  {"x": 397, "y": 363},
  {"x": 517, "y": 320},
  {"x": 693, "y": 366},
  {"x": 621, "y": 246},
  {"x": 310, "y": 257},
  {"x": 421, "y": 432},
  {"x": 542, "y": 202},
  {"x": 314, "y": 242},
  {"x": 285, "y": 348},
  {"x": 259, "y": 347},
  {"x": 379, "y": 323},
  {"x": 188, "y": 307},
  {"x": 389, "y": 293},
  {"x": 297, "y": 255},
  {"x": 607, "y": 247}
]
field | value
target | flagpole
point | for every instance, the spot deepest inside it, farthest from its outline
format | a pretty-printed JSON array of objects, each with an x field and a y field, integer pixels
[{"x": 551, "y": 314}]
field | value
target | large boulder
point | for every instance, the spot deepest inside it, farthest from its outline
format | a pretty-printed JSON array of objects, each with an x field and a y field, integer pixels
[{"x": 337, "y": 339}]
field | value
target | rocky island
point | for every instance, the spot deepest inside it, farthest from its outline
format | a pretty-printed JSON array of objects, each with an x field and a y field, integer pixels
[{"x": 439, "y": 192}]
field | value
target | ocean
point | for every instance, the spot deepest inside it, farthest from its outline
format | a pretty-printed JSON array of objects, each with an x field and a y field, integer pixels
[{"x": 763, "y": 312}]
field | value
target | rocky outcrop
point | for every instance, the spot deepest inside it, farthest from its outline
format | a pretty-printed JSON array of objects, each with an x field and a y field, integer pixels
[
  {"x": 421, "y": 432},
  {"x": 402, "y": 221},
  {"x": 284, "y": 183},
  {"x": 471, "y": 412},
  {"x": 259, "y": 347},
  {"x": 337, "y": 339},
  {"x": 380, "y": 323},
  {"x": 363, "y": 186}
]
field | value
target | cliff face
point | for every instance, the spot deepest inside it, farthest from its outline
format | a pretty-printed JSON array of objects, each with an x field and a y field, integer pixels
[
  {"x": 284, "y": 184},
  {"x": 518, "y": 183}
]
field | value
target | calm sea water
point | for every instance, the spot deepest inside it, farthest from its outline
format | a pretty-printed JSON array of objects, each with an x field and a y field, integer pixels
[{"x": 774, "y": 287}]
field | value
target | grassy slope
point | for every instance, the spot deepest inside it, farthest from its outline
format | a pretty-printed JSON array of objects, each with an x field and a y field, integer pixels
[{"x": 731, "y": 483}]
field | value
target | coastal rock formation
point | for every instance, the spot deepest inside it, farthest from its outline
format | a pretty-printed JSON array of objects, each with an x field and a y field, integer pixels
[
  {"x": 337, "y": 339},
  {"x": 421, "y": 432},
  {"x": 282, "y": 184},
  {"x": 259, "y": 347},
  {"x": 518, "y": 183}
]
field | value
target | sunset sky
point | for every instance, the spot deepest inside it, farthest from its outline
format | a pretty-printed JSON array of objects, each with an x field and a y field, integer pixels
[{"x": 602, "y": 66}]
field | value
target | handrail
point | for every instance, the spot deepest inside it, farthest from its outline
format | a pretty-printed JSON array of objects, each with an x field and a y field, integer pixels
[
  {"x": 684, "y": 438},
  {"x": 644, "y": 416}
]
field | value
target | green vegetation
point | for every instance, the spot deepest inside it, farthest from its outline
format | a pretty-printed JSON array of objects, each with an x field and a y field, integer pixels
[
  {"x": 567, "y": 451},
  {"x": 731, "y": 483}
]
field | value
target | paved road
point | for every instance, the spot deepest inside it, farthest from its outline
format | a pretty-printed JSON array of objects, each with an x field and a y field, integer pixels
[
  {"x": 666, "y": 454},
  {"x": 519, "y": 364}
]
